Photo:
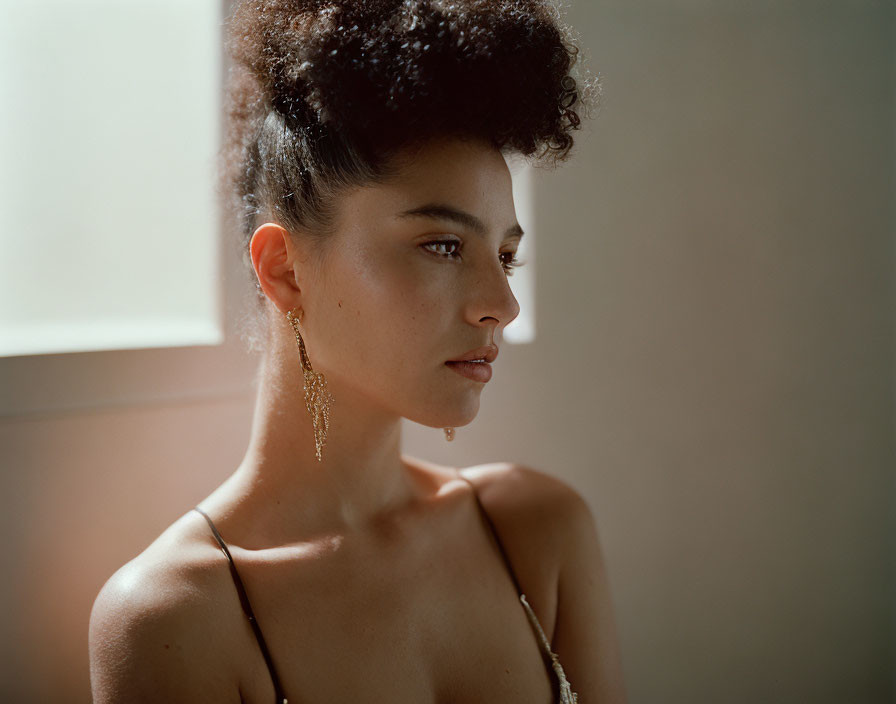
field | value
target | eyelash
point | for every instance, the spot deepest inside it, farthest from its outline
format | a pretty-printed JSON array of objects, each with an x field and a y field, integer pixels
[{"x": 508, "y": 265}]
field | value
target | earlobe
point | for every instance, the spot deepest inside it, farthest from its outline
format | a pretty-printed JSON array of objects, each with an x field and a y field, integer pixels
[{"x": 271, "y": 253}]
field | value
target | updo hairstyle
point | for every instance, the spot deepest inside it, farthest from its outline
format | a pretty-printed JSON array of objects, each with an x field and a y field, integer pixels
[{"x": 322, "y": 95}]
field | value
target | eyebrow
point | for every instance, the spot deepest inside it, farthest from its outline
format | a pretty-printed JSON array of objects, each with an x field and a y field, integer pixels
[{"x": 440, "y": 211}]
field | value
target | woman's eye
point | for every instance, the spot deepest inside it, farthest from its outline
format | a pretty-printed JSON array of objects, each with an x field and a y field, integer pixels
[
  {"x": 449, "y": 248},
  {"x": 510, "y": 263},
  {"x": 443, "y": 244}
]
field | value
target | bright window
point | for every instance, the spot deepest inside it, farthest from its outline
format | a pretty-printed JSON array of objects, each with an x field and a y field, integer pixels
[
  {"x": 109, "y": 114},
  {"x": 522, "y": 283}
]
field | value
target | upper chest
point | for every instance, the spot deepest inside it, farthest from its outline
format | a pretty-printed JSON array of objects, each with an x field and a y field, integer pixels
[{"x": 425, "y": 611}]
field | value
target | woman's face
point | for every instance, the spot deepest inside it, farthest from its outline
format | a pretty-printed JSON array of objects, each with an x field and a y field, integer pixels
[{"x": 388, "y": 306}]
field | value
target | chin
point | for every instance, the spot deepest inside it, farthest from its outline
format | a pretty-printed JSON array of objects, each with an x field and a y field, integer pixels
[{"x": 446, "y": 417}]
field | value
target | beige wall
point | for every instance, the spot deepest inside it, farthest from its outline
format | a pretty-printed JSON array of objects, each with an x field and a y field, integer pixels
[{"x": 714, "y": 370}]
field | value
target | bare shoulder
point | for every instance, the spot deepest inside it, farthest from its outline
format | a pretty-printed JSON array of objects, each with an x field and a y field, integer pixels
[
  {"x": 535, "y": 512},
  {"x": 583, "y": 629},
  {"x": 530, "y": 494},
  {"x": 549, "y": 513},
  {"x": 156, "y": 621}
]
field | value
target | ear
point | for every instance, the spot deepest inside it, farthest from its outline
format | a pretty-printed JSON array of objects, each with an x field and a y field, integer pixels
[{"x": 273, "y": 256}]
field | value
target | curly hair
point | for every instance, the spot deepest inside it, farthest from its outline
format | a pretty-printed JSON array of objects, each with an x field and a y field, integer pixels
[{"x": 323, "y": 93}]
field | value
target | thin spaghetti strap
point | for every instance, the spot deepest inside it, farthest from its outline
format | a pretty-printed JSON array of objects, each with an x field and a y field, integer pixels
[
  {"x": 567, "y": 696},
  {"x": 564, "y": 690},
  {"x": 247, "y": 609},
  {"x": 494, "y": 533}
]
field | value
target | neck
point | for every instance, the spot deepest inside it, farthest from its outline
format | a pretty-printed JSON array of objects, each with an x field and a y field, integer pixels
[{"x": 361, "y": 475}]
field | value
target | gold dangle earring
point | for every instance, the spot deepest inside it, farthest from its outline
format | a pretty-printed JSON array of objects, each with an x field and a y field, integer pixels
[
  {"x": 317, "y": 397},
  {"x": 449, "y": 434}
]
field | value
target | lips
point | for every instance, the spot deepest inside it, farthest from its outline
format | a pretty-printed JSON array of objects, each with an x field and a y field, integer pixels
[
  {"x": 487, "y": 353},
  {"x": 477, "y": 371},
  {"x": 475, "y": 364}
]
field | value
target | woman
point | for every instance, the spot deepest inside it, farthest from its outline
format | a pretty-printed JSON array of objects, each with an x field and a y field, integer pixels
[{"x": 367, "y": 147}]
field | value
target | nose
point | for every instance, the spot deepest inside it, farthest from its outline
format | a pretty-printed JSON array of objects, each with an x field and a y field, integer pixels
[{"x": 491, "y": 299}]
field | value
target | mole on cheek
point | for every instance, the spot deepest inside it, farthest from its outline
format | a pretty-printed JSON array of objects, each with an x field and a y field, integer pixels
[{"x": 340, "y": 304}]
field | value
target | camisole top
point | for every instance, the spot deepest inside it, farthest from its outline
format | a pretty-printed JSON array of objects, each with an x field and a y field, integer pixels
[{"x": 564, "y": 693}]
